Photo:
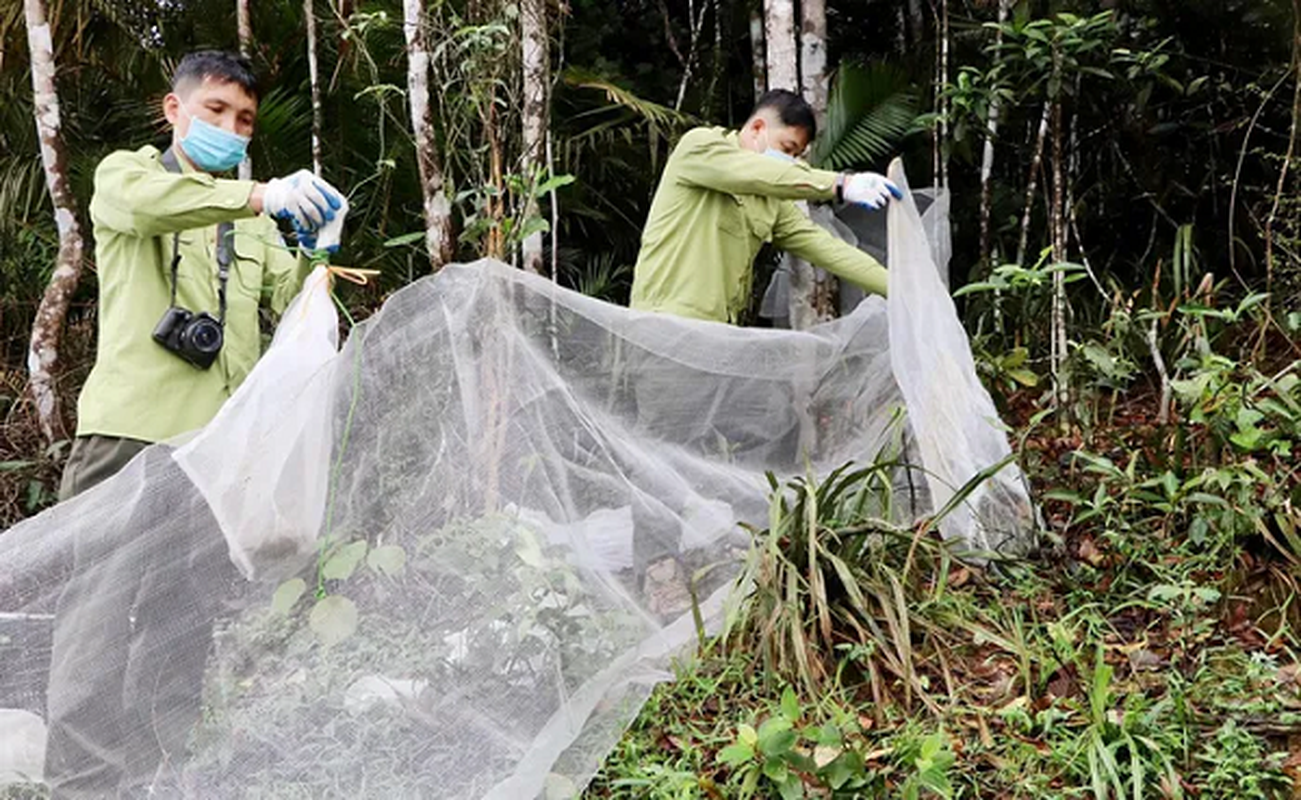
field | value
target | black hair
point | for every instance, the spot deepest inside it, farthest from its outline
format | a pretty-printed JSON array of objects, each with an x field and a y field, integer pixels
[
  {"x": 217, "y": 64},
  {"x": 793, "y": 110}
]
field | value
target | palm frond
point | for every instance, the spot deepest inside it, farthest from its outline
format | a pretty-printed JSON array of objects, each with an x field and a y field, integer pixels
[
  {"x": 871, "y": 108},
  {"x": 649, "y": 111}
]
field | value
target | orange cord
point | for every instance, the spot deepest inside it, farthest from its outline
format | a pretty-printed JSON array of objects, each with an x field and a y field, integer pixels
[{"x": 361, "y": 277}]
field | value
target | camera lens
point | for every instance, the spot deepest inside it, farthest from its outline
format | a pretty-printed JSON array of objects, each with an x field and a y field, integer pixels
[{"x": 205, "y": 336}]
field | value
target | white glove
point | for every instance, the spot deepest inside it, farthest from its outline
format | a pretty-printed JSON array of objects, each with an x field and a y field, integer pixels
[
  {"x": 302, "y": 198},
  {"x": 331, "y": 233},
  {"x": 869, "y": 189}
]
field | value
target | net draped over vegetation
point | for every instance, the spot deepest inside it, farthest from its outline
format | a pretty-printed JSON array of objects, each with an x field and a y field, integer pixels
[{"x": 467, "y": 624}]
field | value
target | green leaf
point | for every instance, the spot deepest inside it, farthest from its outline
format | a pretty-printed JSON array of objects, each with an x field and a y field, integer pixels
[
  {"x": 406, "y": 238},
  {"x": 734, "y": 755},
  {"x": 1024, "y": 377},
  {"x": 553, "y": 183},
  {"x": 776, "y": 737},
  {"x": 871, "y": 108},
  {"x": 333, "y": 619},
  {"x": 1016, "y": 358},
  {"x": 1247, "y": 418},
  {"x": 747, "y": 734},
  {"x": 792, "y": 788},
  {"x": 1165, "y": 592},
  {"x": 844, "y": 769},
  {"x": 287, "y": 594},
  {"x": 1065, "y": 495},
  {"x": 14, "y": 466},
  {"x": 829, "y": 736},
  {"x": 390, "y": 559},
  {"x": 790, "y": 705},
  {"x": 775, "y": 770},
  {"x": 1248, "y": 440},
  {"x": 344, "y": 562}
]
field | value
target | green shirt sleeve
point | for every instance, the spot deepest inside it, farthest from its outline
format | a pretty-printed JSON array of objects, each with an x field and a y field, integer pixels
[
  {"x": 134, "y": 197},
  {"x": 708, "y": 159},
  {"x": 800, "y": 236}
]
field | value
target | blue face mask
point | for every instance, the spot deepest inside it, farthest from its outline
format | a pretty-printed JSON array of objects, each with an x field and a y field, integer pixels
[
  {"x": 212, "y": 149},
  {"x": 780, "y": 155}
]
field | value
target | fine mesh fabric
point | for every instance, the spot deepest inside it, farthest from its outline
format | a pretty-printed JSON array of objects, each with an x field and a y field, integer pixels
[{"x": 411, "y": 568}]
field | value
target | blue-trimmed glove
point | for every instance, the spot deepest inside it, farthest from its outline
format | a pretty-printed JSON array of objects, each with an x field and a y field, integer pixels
[
  {"x": 308, "y": 202},
  {"x": 330, "y": 235},
  {"x": 870, "y": 189}
]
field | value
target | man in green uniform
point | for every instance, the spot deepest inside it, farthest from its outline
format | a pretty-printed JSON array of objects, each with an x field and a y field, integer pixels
[
  {"x": 185, "y": 260},
  {"x": 722, "y": 196}
]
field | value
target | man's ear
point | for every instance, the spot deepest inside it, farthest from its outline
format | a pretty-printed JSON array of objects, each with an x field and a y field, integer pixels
[{"x": 172, "y": 108}]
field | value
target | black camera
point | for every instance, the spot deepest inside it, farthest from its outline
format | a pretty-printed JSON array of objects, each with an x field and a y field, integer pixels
[{"x": 197, "y": 338}]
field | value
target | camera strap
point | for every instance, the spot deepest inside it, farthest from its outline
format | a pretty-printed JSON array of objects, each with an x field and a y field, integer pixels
[{"x": 225, "y": 248}]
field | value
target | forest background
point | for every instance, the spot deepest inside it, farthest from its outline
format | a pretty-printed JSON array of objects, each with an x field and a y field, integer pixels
[{"x": 1127, "y": 258}]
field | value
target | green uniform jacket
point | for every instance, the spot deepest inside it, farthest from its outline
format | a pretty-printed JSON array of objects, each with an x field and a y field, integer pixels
[
  {"x": 137, "y": 389},
  {"x": 716, "y": 205}
]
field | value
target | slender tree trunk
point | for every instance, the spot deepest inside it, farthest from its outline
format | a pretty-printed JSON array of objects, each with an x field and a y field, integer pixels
[
  {"x": 758, "y": 52},
  {"x": 555, "y": 214},
  {"x": 815, "y": 296},
  {"x": 991, "y": 136},
  {"x": 813, "y": 56},
  {"x": 696, "y": 21},
  {"x": 779, "y": 34},
  {"x": 313, "y": 74},
  {"x": 244, "y": 25},
  {"x": 47, "y": 329},
  {"x": 1032, "y": 184},
  {"x": 437, "y": 210},
  {"x": 535, "y": 114},
  {"x": 1058, "y": 228},
  {"x": 718, "y": 62},
  {"x": 496, "y": 240},
  {"x": 942, "y": 102}
]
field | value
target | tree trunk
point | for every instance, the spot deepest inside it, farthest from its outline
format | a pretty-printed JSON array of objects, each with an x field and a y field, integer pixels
[
  {"x": 1058, "y": 228},
  {"x": 438, "y": 212},
  {"x": 244, "y": 25},
  {"x": 496, "y": 241},
  {"x": 814, "y": 291},
  {"x": 779, "y": 34},
  {"x": 47, "y": 329},
  {"x": 313, "y": 75},
  {"x": 696, "y": 22},
  {"x": 535, "y": 113},
  {"x": 942, "y": 103},
  {"x": 1032, "y": 184},
  {"x": 757, "y": 51},
  {"x": 991, "y": 134},
  {"x": 718, "y": 63},
  {"x": 813, "y": 56}
]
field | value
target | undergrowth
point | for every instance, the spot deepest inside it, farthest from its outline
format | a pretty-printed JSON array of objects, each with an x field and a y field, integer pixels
[{"x": 1146, "y": 648}]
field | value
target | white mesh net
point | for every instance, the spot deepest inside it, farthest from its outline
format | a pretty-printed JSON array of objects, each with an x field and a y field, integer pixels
[{"x": 445, "y": 523}]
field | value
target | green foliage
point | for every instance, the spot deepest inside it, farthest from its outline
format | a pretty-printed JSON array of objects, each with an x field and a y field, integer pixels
[{"x": 869, "y": 110}]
